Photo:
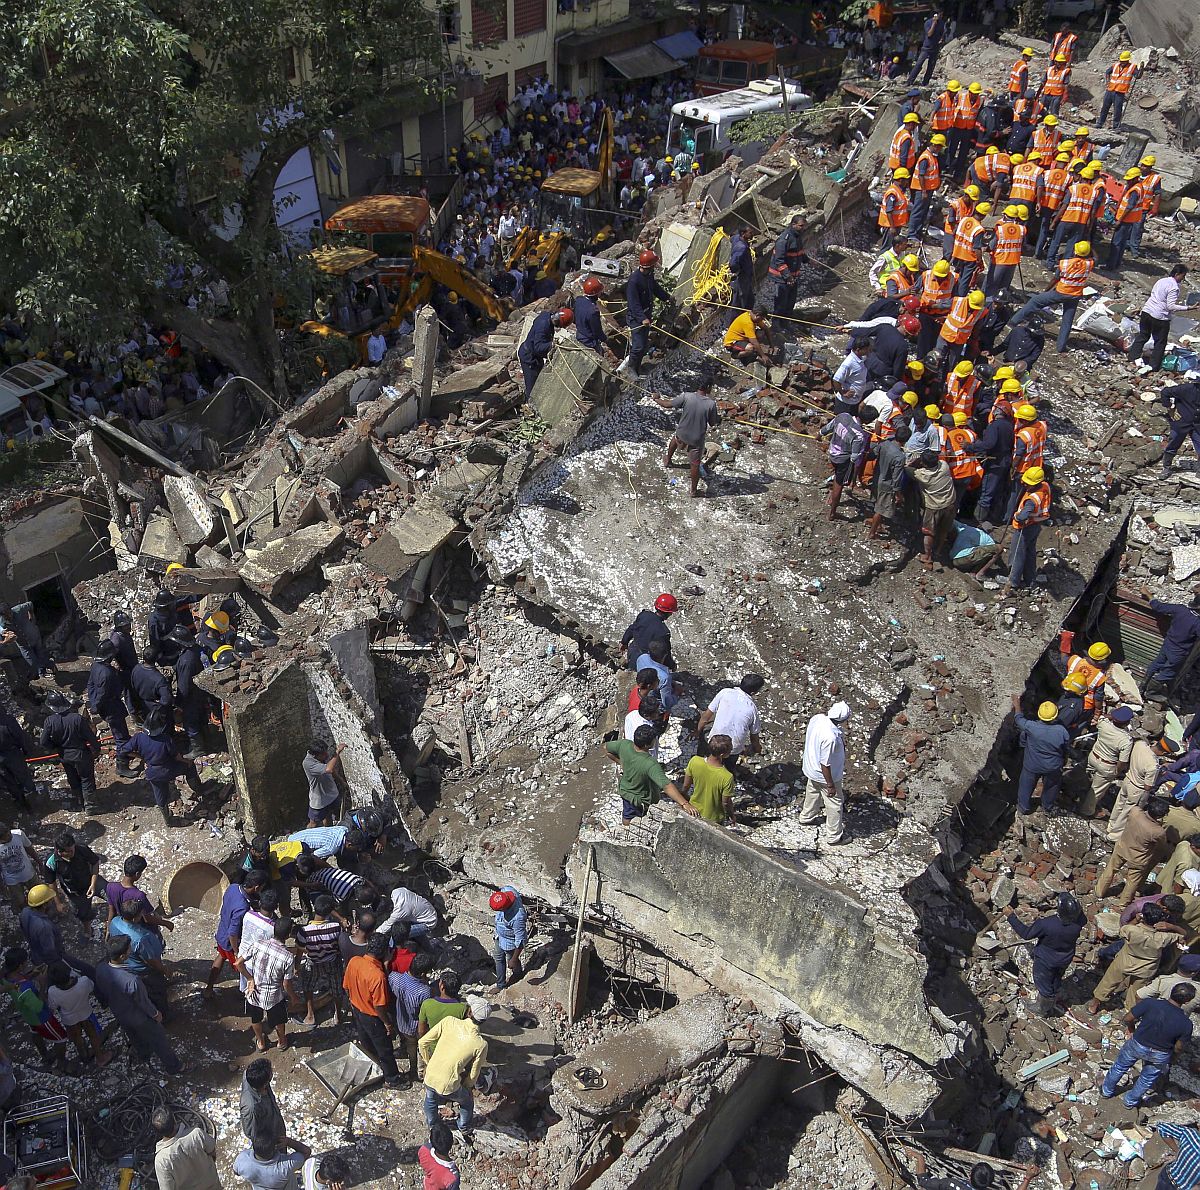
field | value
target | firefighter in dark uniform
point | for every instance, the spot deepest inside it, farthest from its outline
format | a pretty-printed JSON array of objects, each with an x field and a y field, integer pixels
[
  {"x": 534, "y": 352},
  {"x": 106, "y": 697},
  {"x": 126, "y": 653},
  {"x": 786, "y": 260},
  {"x": 193, "y": 702},
  {"x": 150, "y": 687},
  {"x": 741, "y": 265},
  {"x": 71, "y": 736},
  {"x": 640, "y": 291},
  {"x": 15, "y": 746},
  {"x": 162, "y": 620},
  {"x": 157, "y": 746},
  {"x": 589, "y": 329}
]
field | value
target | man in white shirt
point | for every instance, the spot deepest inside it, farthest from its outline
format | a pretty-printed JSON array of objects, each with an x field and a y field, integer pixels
[
  {"x": 732, "y": 712},
  {"x": 851, "y": 376},
  {"x": 418, "y": 913},
  {"x": 649, "y": 713},
  {"x": 824, "y": 766},
  {"x": 1161, "y": 306}
]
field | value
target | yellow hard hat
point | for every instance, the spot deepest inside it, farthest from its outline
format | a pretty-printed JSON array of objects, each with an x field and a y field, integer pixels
[
  {"x": 964, "y": 368},
  {"x": 1082, "y": 131},
  {"x": 975, "y": 88},
  {"x": 668, "y": 158},
  {"x": 218, "y": 622},
  {"x": 932, "y": 412},
  {"x": 1090, "y": 170},
  {"x": 912, "y": 118},
  {"x": 1060, "y": 57},
  {"x": 1010, "y": 211},
  {"x": 983, "y": 208},
  {"x": 960, "y": 418},
  {"x": 1003, "y": 372},
  {"x": 909, "y": 398},
  {"x": 1066, "y": 146},
  {"x": 938, "y": 139},
  {"x": 1016, "y": 158},
  {"x": 1132, "y": 175},
  {"x": 1125, "y": 56},
  {"x": 900, "y": 174},
  {"x": 40, "y": 894},
  {"x": 1051, "y": 121},
  {"x": 1083, "y": 247},
  {"x": 1062, "y": 157},
  {"x": 990, "y": 150},
  {"x": 911, "y": 262},
  {"x": 954, "y": 85},
  {"x": 1099, "y": 651},
  {"x": 972, "y": 192},
  {"x": 1024, "y": 412},
  {"x": 537, "y": 173},
  {"x": 1048, "y": 712},
  {"x": 1033, "y": 476},
  {"x": 1022, "y": 211},
  {"x": 915, "y": 367},
  {"x": 1012, "y": 385},
  {"x": 1148, "y": 160},
  {"x": 976, "y": 299},
  {"x": 1027, "y": 52},
  {"x": 226, "y": 654},
  {"x": 941, "y": 268},
  {"x": 1075, "y": 684},
  {"x": 173, "y": 566}
]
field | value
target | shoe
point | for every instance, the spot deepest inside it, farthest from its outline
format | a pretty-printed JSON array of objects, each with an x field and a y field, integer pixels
[
  {"x": 166, "y": 816},
  {"x": 1165, "y": 473},
  {"x": 395, "y": 1084}
]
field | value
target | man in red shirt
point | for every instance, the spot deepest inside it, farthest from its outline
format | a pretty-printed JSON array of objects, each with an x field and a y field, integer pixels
[{"x": 434, "y": 1158}]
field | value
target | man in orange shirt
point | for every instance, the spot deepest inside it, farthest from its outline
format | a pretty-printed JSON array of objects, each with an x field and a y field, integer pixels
[
  {"x": 365, "y": 982},
  {"x": 1131, "y": 210}
]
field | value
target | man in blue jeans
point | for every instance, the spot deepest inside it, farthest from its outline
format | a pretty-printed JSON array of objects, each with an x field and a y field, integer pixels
[
  {"x": 1157, "y": 1029},
  {"x": 511, "y": 927}
]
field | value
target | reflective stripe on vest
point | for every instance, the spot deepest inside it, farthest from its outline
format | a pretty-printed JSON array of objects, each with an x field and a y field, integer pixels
[
  {"x": 968, "y": 228},
  {"x": 1122, "y": 77},
  {"x": 1073, "y": 273},
  {"x": 934, "y": 177},
  {"x": 1057, "y": 180},
  {"x": 960, "y": 393},
  {"x": 1025, "y": 182},
  {"x": 956, "y": 210},
  {"x": 1039, "y": 497},
  {"x": 898, "y": 216},
  {"x": 961, "y": 320},
  {"x": 1056, "y": 79},
  {"x": 1132, "y": 203},
  {"x": 936, "y": 293},
  {"x": 984, "y": 168},
  {"x": 942, "y": 116},
  {"x": 1033, "y": 438},
  {"x": 1010, "y": 241},
  {"x": 966, "y": 109},
  {"x": 900, "y": 283},
  {"x": 1045, "y": 140},
  {"x": 1152, "y": 184},
  {"x": 962, "y": 465},
  {"x": 1064, "y": 43},
  {"x": 1081, "y": 201},
  {"x": 903, "y": 150},
  {"x": 1018, "y": 76}
]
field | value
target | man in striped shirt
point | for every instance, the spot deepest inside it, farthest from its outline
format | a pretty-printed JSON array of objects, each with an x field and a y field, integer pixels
[
  {"x": 318, "y": 877},
  {"x": 1184, "y": 1172},
  {"x": 411, "y": 989},
  {"x": 320, "y": 959}
]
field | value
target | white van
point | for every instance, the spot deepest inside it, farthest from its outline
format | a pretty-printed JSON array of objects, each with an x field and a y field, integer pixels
[
  {"x": 708, "y": 120},
  {"x": 17, "y": 382}
]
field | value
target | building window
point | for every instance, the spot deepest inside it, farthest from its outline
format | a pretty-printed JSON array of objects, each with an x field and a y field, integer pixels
[
  {"x": 495, "y": 92},
  {"x": 529, "y": 16},
  {"x": 527, "y": 74},
  {"x": 489, "y": 21}
]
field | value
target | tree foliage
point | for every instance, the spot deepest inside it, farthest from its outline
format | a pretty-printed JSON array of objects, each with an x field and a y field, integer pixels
[
  {"x": 765, "y": 126},
  {"x": 140, "y": 142}
]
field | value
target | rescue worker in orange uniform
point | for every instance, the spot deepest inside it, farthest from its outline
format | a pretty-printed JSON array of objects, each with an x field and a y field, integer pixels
[
  {"x": 935, "y": 295},
  {"x": 965, "y": 315},
  {"x": 1006, "y": 252},
  {"x": 965, "y": 469},
  {"x": 893, "y": 208},
  {"x": 992, "y": 172},
  {"x": 956, "y": 209},
  {"x": 941, "y": 119},
  {"x": 1118, "y": 78},
  {"x": 1152, "y": 183},
  {"x": 1029, "y": 448},
  {"x": 1054, "y": 86},
  {"x": 1131, "y": 210},
  {"x": 1032, "y": 512},
  {"x": 1055, "y": 181},
  {"x": 903, "y": 151},
  {"x": 1018, "y": 76},
  {"x": 1064, "y": 43},
  {"x": 1093, "y": 669},
  {"x": 962, "y": 389},
  {"x": 970, "y": 239},
  {"x": 1028, "y": 188},
  {"x": 962, "y": 135},
  {"x": 1077, "y": 215},
  {"x": 1046, "y": 136},
  {"x": 1073, "y": 274},
  {"x": 926, "y": 178}
]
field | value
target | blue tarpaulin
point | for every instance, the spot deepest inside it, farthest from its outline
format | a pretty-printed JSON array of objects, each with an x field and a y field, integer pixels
[{"x": 680, "y": 45}]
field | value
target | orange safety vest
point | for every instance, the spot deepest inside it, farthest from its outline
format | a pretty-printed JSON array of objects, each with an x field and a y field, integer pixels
[
  {"x": 957, "y": 209},
  {"x": 898, "y": 216},
  {"x": 1027, "y": 105},
  {"x": 900, "y": 283},
  {"x": 960, "y": 394},
  {"x": 1153, "y": 188},
  {"x": 1083, "y": 150},
  {"x": 1039, "y": 497},
  {"x": 1010, "y": 242},
  {"x": 1033, "y": 437},
  {"x": 1091, "y": 674},
  {"x": 1121, "y": 79},
  {"x": 1025, "y": 182},
  {"x": 1131, "y": 207},
  {"x": 1073, "y": 272},
  {"x": 1063, "y": 43},
  {"x": 1081, "y": 202},
  {"x": 966, "y": 109},
  {"x": 1057, "y": 78},
  {"x": 933, "y": 178},
  {"x": 1045, "y": 140},
  {"x": 1055, "y": 189},
  {"x": 1018, "y": 77},
  {"x": 903, "y": 152},
  {"x": 936, "y": 293},
  {"x": 942, "y": 116},
  {"x": 962, "y": 465},
  {"x": 960, "y": 322},
  {"x": 964, "y": 235},
  {"x": 984, "y": 168}
]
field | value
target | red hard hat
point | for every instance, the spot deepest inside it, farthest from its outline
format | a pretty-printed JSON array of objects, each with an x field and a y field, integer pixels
[
  {"x": 666, "y": 603},
  {"x": 565, "y": 317},
  {"x": 592, "y": 286},
  {"x": 910, "y": 303},
  {"x": 648, "y": 256},
  {"x": 909, "y": 325},
  {"x": 501, "y": 900}
]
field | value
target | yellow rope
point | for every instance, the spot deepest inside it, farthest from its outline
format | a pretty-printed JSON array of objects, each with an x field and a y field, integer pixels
[
  {"x": 708, "y": 277},
  {"x": 783, "y": 317}
]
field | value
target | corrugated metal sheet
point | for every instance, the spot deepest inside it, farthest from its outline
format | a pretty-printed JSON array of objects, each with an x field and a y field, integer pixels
[
  {"x": 646, "y": 61},
  {"x": 680, "y": 45}
]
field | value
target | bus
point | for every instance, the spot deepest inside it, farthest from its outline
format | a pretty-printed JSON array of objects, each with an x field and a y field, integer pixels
[
  {"x": 727, "y": 65},
  {"x": 701, "y": 126}
]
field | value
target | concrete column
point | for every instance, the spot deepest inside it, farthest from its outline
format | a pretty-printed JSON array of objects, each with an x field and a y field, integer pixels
[{"x": 425, "y": 346}]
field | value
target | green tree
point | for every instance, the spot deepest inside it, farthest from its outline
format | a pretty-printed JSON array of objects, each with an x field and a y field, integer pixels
[{"x": 140, "y": 142}]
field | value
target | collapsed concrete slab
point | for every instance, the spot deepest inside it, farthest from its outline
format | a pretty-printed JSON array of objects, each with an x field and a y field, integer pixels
[
  {"x": 270, "y": 569},
  {"x": 187, "y": 498},
  {"x": 161, "y": 545},
  {"x": 404, "y": 543}
]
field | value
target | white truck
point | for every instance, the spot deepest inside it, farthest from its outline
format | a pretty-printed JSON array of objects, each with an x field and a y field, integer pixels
[{"x": 701, "y": 127}]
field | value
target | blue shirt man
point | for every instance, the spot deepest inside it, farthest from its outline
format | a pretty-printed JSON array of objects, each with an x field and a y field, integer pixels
[
  {"x": 144, "y": 943},
  {"x": 1045, "y": 742}
]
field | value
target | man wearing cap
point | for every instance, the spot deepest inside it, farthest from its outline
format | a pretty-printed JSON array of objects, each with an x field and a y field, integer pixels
[
  {"x": 1094, "y": 671},
  {"x": 1031, "y": 512},
  {"x": 824, "y": 768},
  {"x": 1157, "y": 1029},
  {"x": 156, "y": 745},
  {"x": 1183, "y": 402},
  {"x": 105, "y": 698},
  {"x": 933, "y": 34},
  {"x": 1045, "y": 742},
  {"x": 1056, "y": 936},
  {"x": 71, "y": 736},
  {"x": 1183, "y": 630},
  {"x": 1118, "y": 79},
  {"x": 1108, "y": 761},
  {"x": 650, "y": 624},
  {"x": 640, "y": 291},
  {"x": 510, "y": 928},
  {"x": 162, "y": 620},
  {"x": 1142, "y": 773}
]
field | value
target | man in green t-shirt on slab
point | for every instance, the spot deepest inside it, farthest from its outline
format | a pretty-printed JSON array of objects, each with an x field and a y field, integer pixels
[
  {"x": 643, "y": 780},
  {"x": 708, "y": 784}
]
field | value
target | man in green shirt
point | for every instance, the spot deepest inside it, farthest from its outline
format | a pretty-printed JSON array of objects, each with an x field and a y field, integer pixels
[
  {"x": 445, "y": 1003},
  {"x": 708, "y": 784},
  {"x": 643, "y": 780}
]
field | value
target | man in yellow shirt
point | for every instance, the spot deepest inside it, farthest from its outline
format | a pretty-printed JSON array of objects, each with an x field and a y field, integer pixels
[
  {"x": 748, "y": 337},
  {"x": 708, "y": 784},
  {"x": 454, "y": 1055}
]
